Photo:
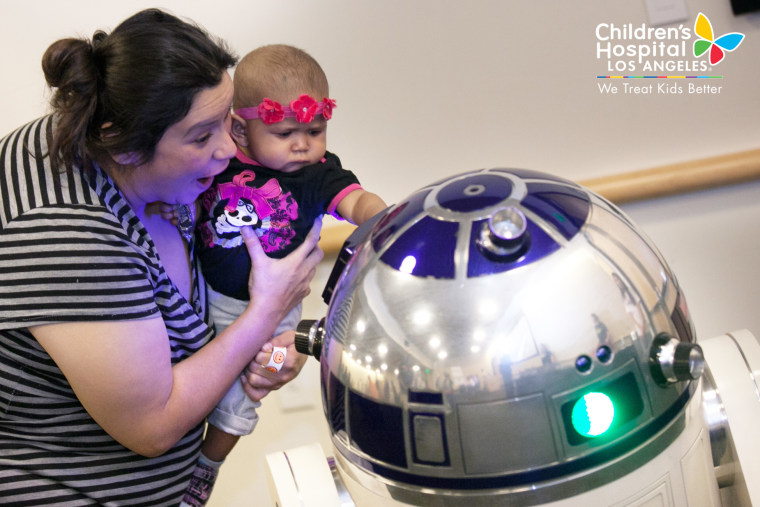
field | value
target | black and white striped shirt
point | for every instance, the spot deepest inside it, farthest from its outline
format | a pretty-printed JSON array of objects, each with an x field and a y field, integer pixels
[{"x": 73, "y": 250}]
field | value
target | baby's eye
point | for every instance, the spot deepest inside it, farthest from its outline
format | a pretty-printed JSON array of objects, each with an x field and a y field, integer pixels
[
  {"x": 284, "y": 135},
  {"x": 315, "y": 132}
]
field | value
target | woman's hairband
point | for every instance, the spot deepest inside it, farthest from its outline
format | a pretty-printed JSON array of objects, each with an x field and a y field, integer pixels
[{"x": 302, "y": 109}]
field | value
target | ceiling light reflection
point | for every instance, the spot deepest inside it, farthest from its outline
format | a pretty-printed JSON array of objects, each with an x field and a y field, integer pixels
[{"x": 408, "y": 264}]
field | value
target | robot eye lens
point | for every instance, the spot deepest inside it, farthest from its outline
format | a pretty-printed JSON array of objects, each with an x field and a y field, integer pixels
[
  {"x": 604, "y": 354},
  {"x": 583, "y": 364}
]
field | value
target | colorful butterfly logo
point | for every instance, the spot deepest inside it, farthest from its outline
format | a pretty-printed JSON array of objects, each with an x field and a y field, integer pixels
[{"x": 704, "y": 31}]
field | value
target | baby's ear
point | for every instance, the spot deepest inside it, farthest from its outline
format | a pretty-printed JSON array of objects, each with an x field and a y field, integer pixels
[{"x": 239, "y": 130}]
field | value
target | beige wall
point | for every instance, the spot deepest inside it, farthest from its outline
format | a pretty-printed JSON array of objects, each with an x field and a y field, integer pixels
[{"x": 431, "y": 88}]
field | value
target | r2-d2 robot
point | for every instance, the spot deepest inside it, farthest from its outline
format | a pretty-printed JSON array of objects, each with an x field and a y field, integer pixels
[{"x": 507, "y": 337}]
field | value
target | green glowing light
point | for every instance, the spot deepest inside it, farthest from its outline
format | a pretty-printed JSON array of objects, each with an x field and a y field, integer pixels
[{"x": 593, "y": 414}]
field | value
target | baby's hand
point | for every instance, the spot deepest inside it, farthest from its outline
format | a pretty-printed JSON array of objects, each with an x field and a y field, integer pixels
[
  {"x": 168, "y": 212},
  {"x": 274, "y": 352},
  {"x": 258, "y": 380},
  {"x": 262, "y": 374}
]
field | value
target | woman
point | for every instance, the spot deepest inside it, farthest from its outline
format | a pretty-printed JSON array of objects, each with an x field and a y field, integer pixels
[{"x": 107, "y": 367}]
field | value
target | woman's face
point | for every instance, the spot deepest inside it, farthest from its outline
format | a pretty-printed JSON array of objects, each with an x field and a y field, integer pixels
[{"x": 190, "y": 153}]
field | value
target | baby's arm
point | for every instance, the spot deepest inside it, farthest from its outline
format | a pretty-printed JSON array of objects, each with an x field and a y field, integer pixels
[{"x": 360, "y": 205}]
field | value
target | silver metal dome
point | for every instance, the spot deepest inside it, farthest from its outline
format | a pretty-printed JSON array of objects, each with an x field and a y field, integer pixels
[{"x": 474, "y": 329}]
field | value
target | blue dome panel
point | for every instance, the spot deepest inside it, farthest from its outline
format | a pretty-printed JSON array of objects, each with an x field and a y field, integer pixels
[
  {"x": 398, "y": 217},
  {"x": 425, "y": 249},
  {"x": 528, "y": 174},
  {"x": 541, "y": 245},
  {"x": 475, "y": 192},
  {"x": 566, "y": 208}
]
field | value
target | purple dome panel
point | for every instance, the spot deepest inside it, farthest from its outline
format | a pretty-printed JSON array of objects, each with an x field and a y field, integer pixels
[
  {"x": 474, "y": 192},
  {"x": 425, "y": 249},
  {"x": 397, "y": 217},
  {"x": 566, "y": 208},
  {"x": 541, "y": 245},
  {"x": 528, "y": 174}
]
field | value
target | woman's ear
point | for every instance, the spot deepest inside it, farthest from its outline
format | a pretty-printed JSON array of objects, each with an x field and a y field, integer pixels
[
  {"x": 130, "y": 158},
  {"x": 239, "y": 130}
]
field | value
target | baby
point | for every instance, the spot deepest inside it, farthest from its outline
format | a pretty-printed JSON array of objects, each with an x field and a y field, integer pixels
[{"x": 280, "y": 182}]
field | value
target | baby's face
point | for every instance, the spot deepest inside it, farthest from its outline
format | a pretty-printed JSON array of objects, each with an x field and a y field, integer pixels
[{"x": 287, "y": 146}]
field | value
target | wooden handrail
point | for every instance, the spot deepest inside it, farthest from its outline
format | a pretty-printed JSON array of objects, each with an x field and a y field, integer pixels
[
  {"x": 678, "y": 178},
  {"x": 633, "y": 186}
]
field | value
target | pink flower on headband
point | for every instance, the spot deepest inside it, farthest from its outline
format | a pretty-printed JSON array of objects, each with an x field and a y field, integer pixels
[
  {"x": 270, "y": 111},
  {"x": 327, "y": 107},
  {"x": 305, "y": 108}
]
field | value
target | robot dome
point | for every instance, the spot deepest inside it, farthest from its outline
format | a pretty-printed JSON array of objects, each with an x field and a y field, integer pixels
[{"x": 502, "y": 333}]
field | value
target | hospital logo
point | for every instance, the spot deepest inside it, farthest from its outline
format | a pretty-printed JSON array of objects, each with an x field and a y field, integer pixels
[
  {"x": 706, "y": 43},
  {"x": 649, "y": 60}
]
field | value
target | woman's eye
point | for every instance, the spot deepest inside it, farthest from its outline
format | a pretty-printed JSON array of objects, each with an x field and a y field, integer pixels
[{"x": 202, "y": 139}]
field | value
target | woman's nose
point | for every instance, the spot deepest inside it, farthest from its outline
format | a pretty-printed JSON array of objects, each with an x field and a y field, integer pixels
[{"x": 226, "y": 149}]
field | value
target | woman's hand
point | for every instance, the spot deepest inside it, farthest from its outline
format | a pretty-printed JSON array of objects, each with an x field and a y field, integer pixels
[
  {"x": 276, "y": 286},
  {"x": 258, "y": 381}
]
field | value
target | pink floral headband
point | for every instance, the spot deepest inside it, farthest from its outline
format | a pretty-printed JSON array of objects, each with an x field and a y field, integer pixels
[{"x": 302, "y": 109}]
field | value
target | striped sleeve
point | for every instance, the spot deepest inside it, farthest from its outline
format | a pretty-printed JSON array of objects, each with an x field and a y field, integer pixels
[
  {"x": 64, "y": 255},
  {"x": 73, "y": 263}
]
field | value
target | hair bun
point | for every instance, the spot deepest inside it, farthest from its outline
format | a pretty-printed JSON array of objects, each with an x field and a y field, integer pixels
[{"x": 98, "y": 37}]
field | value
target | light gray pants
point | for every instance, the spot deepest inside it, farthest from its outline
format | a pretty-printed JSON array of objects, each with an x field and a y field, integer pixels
[{"x": 236, "y": 413}]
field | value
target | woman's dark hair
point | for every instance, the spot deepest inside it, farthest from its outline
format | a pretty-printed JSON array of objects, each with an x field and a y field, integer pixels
[{"x": 118, "y": 93}]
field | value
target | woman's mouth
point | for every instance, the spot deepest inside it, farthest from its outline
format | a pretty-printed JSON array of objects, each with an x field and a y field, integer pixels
[{"x": 206, "y": 182}]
